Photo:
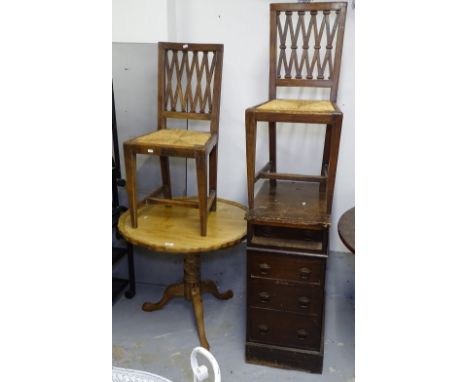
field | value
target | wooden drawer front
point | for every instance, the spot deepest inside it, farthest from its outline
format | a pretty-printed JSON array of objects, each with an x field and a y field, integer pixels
[
  {"x": 284, "y": 329},
  {"x": 286, "y": 266},
  {"x": 297, "y": 298}
]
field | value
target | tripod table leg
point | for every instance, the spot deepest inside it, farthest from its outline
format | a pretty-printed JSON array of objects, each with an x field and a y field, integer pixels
[
  {"x": 208, "y": 286},
  {"x": 198, "y": 310},
  {"x": 173, "y": 290}
]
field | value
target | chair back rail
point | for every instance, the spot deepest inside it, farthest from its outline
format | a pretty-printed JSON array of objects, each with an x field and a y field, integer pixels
[
  {"x": 189, "y": 82},
  {"x": 306, "y": 43}
]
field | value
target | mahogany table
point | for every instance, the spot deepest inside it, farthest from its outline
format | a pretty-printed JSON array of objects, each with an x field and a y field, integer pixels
[
  {"x": 176, "y": 229},
  {"x": 346, "y": 229}
]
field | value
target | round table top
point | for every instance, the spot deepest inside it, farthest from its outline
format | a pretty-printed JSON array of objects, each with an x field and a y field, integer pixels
[
  {"x": 346, "y": 229},
  {"x": 177, "y": 229}
]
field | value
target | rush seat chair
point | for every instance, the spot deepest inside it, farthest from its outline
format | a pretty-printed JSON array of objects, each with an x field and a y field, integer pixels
[
  {"x": 189, "y": 87},
  {"x": 306, "y": 41}
]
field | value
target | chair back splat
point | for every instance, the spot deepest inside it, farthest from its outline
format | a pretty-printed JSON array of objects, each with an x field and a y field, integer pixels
[
  {"x": 189, "y": 83},
  {"x": 306, "y": 42}
]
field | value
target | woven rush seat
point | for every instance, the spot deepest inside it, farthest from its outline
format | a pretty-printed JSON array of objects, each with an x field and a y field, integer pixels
[
  {"x": 174, "y": 138},
  {"x": 297, "y": 106}
]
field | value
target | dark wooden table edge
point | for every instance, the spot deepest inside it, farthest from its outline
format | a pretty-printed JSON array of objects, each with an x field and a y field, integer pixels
[{"x": 343, "y": 239}]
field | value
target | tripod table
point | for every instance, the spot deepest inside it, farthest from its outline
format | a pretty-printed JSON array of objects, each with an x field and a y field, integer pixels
[{"x": 175, "y": 229}]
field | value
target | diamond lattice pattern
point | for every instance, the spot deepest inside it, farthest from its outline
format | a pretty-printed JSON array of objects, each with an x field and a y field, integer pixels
[
  {"x": 306, "y": 42},
  {"x": 189, "y": 81}
]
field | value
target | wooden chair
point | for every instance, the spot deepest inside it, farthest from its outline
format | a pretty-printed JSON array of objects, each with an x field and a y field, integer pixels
[
  {"x": 306, "y": 41},
  {"x": 189, "y": 87}
]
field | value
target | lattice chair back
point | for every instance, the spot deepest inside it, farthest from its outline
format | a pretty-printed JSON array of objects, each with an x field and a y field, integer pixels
[
  {"x": 189, "y": 82},
  {"x": 306, "y": 42}
]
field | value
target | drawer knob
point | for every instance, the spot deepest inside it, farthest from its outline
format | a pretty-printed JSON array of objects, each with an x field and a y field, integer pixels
[
  {"x": 264, "y": 268},
  {"x": 264, "y": 296},
  {"x": 302, "y": 334},
  {"x": 304, "y": 273},
  {"x": 263, "y": 329},
  {"x": 304, "y": 302}
]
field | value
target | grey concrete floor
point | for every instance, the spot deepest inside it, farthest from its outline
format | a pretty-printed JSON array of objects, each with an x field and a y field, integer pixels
[{"x": 161, "y": 342}]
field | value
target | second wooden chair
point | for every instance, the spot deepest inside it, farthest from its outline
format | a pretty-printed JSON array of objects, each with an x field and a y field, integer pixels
[{"x": 294, "y": 28}]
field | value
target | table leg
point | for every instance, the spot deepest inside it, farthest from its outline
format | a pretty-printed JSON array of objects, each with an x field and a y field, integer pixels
[
  {"x": 173, "y": 290},
  {"x": 193, "y": 293},
  {"x": 208, "y": 286},
  {"x": 192, "y": 289},
  {"x": 198, "y": 310}
]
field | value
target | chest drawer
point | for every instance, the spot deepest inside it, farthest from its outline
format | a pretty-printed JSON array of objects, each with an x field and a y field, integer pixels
[
  {"x": 284, "y": 329},
  {"x": 286, "y": 266},
  {"x": 291, "y": 297}
]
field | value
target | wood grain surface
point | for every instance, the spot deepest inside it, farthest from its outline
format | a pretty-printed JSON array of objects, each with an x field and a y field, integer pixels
[
  {"x": 290, "y": 204},
  {"x": 176, "y": 229}
]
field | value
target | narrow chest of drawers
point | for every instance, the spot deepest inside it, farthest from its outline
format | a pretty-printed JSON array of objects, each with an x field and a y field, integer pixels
[
  {"x": 287, "y": 247},
  {"x": 285, "y": 307}
]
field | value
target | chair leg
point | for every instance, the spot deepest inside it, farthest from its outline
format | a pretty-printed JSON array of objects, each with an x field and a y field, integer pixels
[
  {"x": 326, "y": 154},
  {"x": 202, "y": 197},
  {"x": 272, "y": 146},
  {"x": 213, "y": 186},
  {"x": 166, "y": 176},
  {"x": 333, "y": 160},
  {"x": 130, "y": 169},
  {"x": 251, "y": 141}
]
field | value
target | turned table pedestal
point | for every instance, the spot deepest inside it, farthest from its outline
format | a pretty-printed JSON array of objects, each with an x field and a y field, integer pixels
[{"x": 175, "y": 229}]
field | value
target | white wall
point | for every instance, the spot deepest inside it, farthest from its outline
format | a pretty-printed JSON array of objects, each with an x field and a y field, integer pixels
[
  {"x": 139, "y": 20},
  {"x": 243, "y": 27}
]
